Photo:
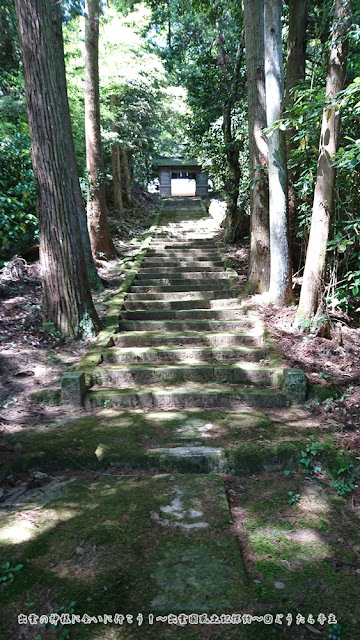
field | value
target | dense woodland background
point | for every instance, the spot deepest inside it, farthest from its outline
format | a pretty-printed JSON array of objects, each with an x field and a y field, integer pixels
[{"x": 188, "y": 79}]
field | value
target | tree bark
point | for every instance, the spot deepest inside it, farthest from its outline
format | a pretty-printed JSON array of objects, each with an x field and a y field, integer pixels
[
  {"x": 295, "y": 72},
  {"x": 100, "y": 239},
  {"x": 296, "y": 45},
  {"x": 234, "y": 224},
  {"x": 259, "y": 258},
  {"x": 127, "y": 177},
  {"x": 280, "y": 265},
  {"x": 233, "y": 221},
  {"x": 312, "y": 290},
  {"x": 67, "y": 299},
  {"x": 116, "y": 166}
]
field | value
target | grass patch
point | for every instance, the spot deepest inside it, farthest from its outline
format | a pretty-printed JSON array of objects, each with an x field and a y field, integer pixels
[{"x": 302, "y": 557}]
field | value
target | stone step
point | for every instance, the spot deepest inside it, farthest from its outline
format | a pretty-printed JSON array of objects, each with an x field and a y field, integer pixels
[
  {"x": 221, "y": 286},
  {"x": 203, "y": 259},
  {"x": 185, "y": 249},
  {"x": 177, "y": 339},
  {"x": 166, "y": 244},
  {"x": 163, "y": 355},
  {"x": 200, "y": 303},
  {"x": 135, "y": 375},
  {"x": 186, "y": 236},
  {"x": 190, "y": 314},
  {"x": 181, "y": 263},
  {"x": 183, "y": 296},
  {"x": 218, "y": 397},
  {"x": 179, "y": 270},
  {"x": 183, "y": 214},
  {"x": 181, "y": 234},
  {"x": 193, "y": 254},
  {"x": 147, "y": 279},
  {"x": 185, "y": 325}
]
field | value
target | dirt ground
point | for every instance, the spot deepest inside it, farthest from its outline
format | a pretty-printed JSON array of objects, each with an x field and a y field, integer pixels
[
  {"x": 333, "y": 364},
  {"x": 32, "y": 355}
]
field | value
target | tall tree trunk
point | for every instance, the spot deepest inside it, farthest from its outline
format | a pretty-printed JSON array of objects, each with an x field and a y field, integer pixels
[
  {"x": 295, "y": 72},
  {"x": 235, "y": 225},
  {"x": 127, "y": 177},
  {"x": 67, "y": 299},
  {"x": 280, "y": 265},
  {"x": 259, "y": 258},
  {"x": 94, "y": 279},
  {"x": 101, "y": 243},
  {"x": 232, "y": 225},
  {"x": 312, "y": 290},
  {"x": 296, "y": 45},
  {"x": 116, "y": 176},
  {"x": 116, "y": 165}
]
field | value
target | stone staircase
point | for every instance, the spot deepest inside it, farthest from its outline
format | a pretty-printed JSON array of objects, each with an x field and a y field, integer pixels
[
  {"x": 176, "y": 380},
  {"x": 186, "y": 340}
]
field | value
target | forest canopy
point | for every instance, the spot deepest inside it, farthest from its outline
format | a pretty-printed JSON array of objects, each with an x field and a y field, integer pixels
[{"x": 176, "y": 79}]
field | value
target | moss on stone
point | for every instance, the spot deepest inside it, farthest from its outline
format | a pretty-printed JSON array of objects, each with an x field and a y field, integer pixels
[{"x": 49, "y": 397}]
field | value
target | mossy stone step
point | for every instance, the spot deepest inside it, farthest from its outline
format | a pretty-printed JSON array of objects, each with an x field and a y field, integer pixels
[
  {"x": 166, "y": 269},
  {"x": 137, "y": 374},
  {"x": 184, "y": 236},
  {"x": 185, "y": 246},
  {"x": 183, "y": 286},
  {"x": 219, "y": 397},
  {"x": 160, "y": 355},
  {"x": 232, "y": 313},
  {"x": 181, "y": 262},
  {"x": 184, "y": 325},
  {"x": 181, "y": 305},
  {"x": 178, "y": 277},
  {"x": 178, "y": 339},
  {"x": 202, "y": 458},
  {"x": 190, "y": 282},
  {"x": 181, "y": 296},
  {"x": 128, "y": 438},
  {"x": 189, "y": 253}
]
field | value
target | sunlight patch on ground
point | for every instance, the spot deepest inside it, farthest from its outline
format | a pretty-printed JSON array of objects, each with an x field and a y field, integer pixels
[
  {"x": 312, "y": 501},
  {"x": 25, "y": 525}
]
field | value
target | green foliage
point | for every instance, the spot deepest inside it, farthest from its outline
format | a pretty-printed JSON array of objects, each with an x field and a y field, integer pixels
[
  {"x": 150, "y": 113},
  {"x": 199, "y": 42},
  {"x": 63, "y": 632},
  {"x": 9, "y": 47},
  {"x": 17, "y": 189},
  {"x": 7, "y": 572},
  {"x": 309, "y": 456},
  {"x": 51, "y": 330},
  {"x": 346, "y": 479},
  {"x": 334, "y": 632},
  {"x": 294, "y": 498}
]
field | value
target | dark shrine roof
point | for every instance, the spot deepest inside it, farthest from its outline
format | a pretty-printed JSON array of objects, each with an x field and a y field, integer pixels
[{"x": 176, "y": 162}]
